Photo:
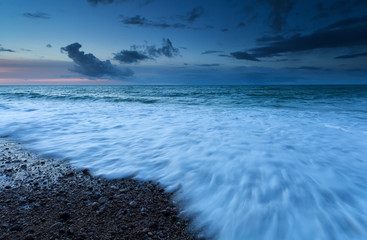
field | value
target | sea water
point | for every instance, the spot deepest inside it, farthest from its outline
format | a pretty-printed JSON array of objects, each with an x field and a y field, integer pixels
[{"x": 247, "y": 162}]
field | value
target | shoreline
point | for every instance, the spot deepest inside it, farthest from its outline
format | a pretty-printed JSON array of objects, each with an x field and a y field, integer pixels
[{"x": 42, "y": 198}]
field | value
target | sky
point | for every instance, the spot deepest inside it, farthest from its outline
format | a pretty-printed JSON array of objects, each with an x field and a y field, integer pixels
[{"x": 93, "y": 42}]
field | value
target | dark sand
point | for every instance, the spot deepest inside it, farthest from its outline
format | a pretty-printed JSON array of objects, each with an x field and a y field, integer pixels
[{"x": 47, "y": 199}]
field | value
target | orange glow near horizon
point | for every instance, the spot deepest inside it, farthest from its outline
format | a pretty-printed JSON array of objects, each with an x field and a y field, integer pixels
[
  {"x": 51, "y": 81},
  {"x": 61, "y": 80}
]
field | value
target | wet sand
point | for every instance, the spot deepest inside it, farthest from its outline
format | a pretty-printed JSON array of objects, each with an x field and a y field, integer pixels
[{"x": 42, "y": 198}]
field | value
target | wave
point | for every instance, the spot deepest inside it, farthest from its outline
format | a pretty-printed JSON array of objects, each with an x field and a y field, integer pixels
[
  {"x": 280, "y": 96},
  {"x": 246, "y": 167},
  {"x": 32, "y": 95}
]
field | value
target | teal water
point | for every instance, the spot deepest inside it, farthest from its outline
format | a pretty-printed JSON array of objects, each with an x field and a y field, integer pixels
[{"x": 249, "y": 162}]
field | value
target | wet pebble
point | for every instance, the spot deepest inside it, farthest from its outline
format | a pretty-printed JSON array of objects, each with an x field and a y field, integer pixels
[
  {"x": 133, "y": 204},
  {"x": 56, "y": 225},
  {"x": 153, "y": 225},
  {"x": 95, "y": 205},
  {"x": 65, "y": 216},
  {"x": 16, "y": 228},
  {"x": 102, "y": 200},
  {"x": 29, "y": 237}
]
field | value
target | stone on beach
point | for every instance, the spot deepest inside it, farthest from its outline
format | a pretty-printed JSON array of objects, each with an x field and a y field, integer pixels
[{"x": 47, "y": 199}]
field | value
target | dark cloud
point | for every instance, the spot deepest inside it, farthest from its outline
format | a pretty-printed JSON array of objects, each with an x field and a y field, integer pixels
[
  {"x": 348, "y": 22},
  {"x": 280, "y": 10},
  {"x": 208, "y": 65},
  {"x": 352, "y": 55},
  {"x": 130, "y": 56},
  {"x": 25, "y": 50},
  {"x": 137, "y": 20},
  {"x": 240, "y": 25},
  {"x": 49, "y": 46},
  {"x": 309, "y": 68},
  {"x": 5, "y": 50},
  {"x": 329, "y": 9},
  {"x": 89, "y": 65},
  {"x": 211, "y": 52},
  {"x": 324, "y": 38},
  {"x": 147, "y": 52},
  {"x": 224, "y": 30},
  {"x": 192, "y": 15},
  {"x": 40, "y": 15},
  {"x": 143, "y": 22},
  {"x": 243, "y": 56},
  {"x": 167, "y": 49},
  {"x": 189, "y": 17},
  {"x": 345, "y": 6},
  {"x": 358, "y": 3}
]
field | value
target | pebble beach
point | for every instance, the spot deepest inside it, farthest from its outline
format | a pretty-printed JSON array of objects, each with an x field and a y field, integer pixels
[{"x": 42, "y": 198}]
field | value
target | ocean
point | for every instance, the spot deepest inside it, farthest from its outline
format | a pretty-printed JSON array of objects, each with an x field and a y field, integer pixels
[{"x": 247, "y": 162}]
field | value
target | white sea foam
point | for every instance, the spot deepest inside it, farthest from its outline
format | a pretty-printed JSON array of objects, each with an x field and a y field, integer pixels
[{"x": 255, "y": 170}]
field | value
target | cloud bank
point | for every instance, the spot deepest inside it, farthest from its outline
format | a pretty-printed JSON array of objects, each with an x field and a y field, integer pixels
[
  {"x": 327, "y": 9},
  {"x": 147, "y": 52},
  {"x": 342, "y": 34},
  {"x": 90, "y": 66},
  {"x": 345, "y": 37}
]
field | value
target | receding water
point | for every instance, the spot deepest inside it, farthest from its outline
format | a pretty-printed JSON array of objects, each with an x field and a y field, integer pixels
[{"x": 249, "y": 162}]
